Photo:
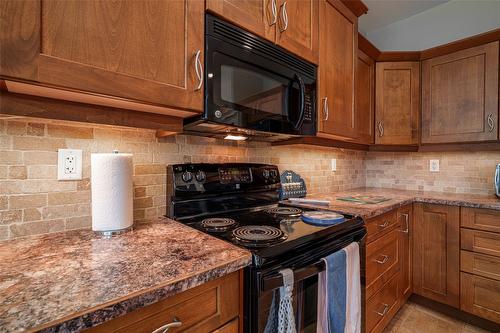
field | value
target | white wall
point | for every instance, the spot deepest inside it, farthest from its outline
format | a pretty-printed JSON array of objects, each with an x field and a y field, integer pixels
[{"x": 439, "y": 25}]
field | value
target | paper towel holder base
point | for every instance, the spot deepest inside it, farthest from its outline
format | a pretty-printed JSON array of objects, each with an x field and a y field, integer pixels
[{"x": 110, "y": 233}]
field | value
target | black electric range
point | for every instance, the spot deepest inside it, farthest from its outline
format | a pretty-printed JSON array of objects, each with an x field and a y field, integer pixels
[{"x": 239, "y": 203}]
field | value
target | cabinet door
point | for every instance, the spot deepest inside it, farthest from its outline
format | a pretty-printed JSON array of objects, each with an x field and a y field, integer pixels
[
  {"x": 436, "y": 253},
  {"x": 405, "y": 235},
  {"x": 460, "y": 96},
  {"x": 257, "y": 16},
  {"x": 397, "y": 103},
  {"x": 135, "y": 50},
  {"x": 338, "y": 46},
  {"x": 480, "y": 296},
  {"x": 364, "y": 98},
  {"x": 297, "y": 27}
]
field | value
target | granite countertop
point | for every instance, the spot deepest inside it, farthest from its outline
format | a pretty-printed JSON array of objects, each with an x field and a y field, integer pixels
[
  {"x": 400, "y": 198},
  {"x": 76, "y": 279}
]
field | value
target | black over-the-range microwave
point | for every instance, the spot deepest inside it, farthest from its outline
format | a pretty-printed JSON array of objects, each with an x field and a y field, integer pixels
[{"x": 253, "y": 88}]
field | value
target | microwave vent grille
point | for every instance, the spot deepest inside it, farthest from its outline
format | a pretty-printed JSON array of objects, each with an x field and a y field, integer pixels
[{"x": 266, "y": 49}]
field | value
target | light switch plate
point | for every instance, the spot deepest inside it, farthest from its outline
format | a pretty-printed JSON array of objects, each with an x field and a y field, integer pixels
[
  {"x": 69, "y": 164},
  {"x": 434, "y": 166},
  {"x": 334, "y": 164}
]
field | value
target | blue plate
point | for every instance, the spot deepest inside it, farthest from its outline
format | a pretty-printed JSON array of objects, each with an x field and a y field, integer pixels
[{"x": 323, "y": 218}]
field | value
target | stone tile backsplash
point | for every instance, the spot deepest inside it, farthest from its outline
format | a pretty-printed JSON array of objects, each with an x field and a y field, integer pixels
[{"x": 33, "y": 201}]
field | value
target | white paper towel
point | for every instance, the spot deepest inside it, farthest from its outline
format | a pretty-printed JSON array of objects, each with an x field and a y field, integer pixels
[{"x": 112, "y": 191}]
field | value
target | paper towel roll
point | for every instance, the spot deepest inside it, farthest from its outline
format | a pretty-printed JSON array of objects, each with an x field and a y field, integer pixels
[{"x": 112, "y": 191}]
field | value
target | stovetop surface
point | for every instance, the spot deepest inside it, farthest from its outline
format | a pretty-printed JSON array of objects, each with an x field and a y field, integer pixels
[{"x": 296, "y": 233}]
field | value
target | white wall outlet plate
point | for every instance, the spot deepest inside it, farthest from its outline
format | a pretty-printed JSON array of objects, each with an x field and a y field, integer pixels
[
  {"x": 69, "y": 164},
  {"x": 434, "y": 166},
  {"x": 334, "y": 164}
]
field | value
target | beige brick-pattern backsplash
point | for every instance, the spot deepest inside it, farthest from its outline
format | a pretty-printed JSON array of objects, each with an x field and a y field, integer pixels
[
  {"x": 33, "y": 201},
  {"x": 459, "y": 172}
]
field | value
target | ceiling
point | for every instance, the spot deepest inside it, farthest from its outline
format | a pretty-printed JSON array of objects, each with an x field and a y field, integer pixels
[{"x": 381, "y": 13}]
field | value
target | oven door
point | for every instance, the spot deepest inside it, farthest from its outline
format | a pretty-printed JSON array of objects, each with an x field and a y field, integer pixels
[{"x": 263, "y": 286}]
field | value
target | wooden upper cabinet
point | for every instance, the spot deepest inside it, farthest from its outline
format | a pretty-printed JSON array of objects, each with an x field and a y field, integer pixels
[
  {"x": 292, "y": 24},
  {"x": 143, "y": 51},
  {"x": 257, "y": 16},
  {"x": 297, "y": 27},
  {"x": 364, "y": 102},
  {"x": 436, "y": 253},
  {"x": 397, "y": 103},
  {"x": 460, "y": 96},
  {"x": 337, "y": 54}
]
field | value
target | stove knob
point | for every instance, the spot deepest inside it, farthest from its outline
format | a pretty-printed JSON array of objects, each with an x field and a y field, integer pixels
[
  {"x": 273, "y": 173},
  {"x": 265, "y": 173},
  {"x": 187, "y": 176},
  {"x": 200, "y": 176}
]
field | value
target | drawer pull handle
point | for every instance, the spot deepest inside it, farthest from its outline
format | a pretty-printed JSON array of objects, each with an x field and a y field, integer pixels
[
  {"x": 407, "y": 220},
  {"x": 384, "y": 312},
  {"x": 383, "y": 261},
  {"x": 165, "y": 328},
  {"x": 385, "y": 224}
]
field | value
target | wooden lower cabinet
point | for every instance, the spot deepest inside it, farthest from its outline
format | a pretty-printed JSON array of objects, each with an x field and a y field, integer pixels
[
  {"x": 480, "y": 296},
  {"x": 436, "y": 253},
  {"x": 388, "y": 267},
  {"x": 211, "y": 307}
]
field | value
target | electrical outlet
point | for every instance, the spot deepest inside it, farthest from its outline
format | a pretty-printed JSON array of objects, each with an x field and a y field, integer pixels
[
  {"x": 334, "y": 164},
  {"x": 69, "y": 164},
  {"x": 434, "y": 166}
]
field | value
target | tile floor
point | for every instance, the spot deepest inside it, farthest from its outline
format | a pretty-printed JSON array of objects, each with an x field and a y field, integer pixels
[{"x": 413, "y": 318}]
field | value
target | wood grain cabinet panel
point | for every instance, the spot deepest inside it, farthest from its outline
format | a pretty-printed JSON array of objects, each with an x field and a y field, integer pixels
[
  {"x": 397, "y": 103},
  {"x": 436, "y": 253},
  {"x": 338, "y": 41},
  {"x": 480, "y": 241},
  {"x": 255, "y": 16},
  {"x": 460, "y": 96},
  {"x": 382, "y": 306},
  {"x": 382, "y": 261},
  {"x": 405, "y": 242},
  {"x": 299, "y": 33},
  {"x": 480, "y": 296},
  {"x": 480, "y": 218},
  {"x": 381, "y": 225},
  {"x": 135, "y": 50},
  {"x": 480, "y": 264},
  {"x": 205, "y": 308},
  {"x": 364, "y": 102}
]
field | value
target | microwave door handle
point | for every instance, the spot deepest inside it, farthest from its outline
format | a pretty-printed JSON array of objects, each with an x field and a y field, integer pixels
[{"x": 302, "y": 101}]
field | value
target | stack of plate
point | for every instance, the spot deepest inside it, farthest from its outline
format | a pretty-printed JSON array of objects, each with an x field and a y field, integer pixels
[{"x": 322, "y": 217}]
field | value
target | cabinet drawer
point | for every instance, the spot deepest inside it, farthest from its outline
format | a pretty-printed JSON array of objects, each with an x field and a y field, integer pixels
[
  {"x": 482, "y": 219},
  {"x": 480, "y": 296},
  {"x": 480, "y": 241},
  {"x": 382, "y": 306},
  {"x": 231, "y": 327},
  {"x": 201, "y": 309},
  {"x": 380, "y": 225},
  {"x": 382, "y": 261},
  {"x": 480, "y": 264}
]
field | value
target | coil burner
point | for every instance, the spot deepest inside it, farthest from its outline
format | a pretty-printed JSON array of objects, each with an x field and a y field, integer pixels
[
  {"x": 218, "y": 224},
  {"x": 285, "y": 211},
  {"x": 258, "y": 235}
]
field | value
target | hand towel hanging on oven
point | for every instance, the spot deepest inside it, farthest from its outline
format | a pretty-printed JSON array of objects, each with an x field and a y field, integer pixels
[
  {"x": 281, "y": 317},
  {"x": 339, "y": 292}
]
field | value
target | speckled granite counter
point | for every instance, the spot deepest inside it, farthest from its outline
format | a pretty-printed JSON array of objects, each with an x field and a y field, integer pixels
[
  {"x": 400, "y": 198},
  {"x": 71, "y": 280}
]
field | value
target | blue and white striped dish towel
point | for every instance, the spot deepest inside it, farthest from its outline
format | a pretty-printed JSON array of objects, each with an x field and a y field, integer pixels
[{"x": 339, "y": 292}]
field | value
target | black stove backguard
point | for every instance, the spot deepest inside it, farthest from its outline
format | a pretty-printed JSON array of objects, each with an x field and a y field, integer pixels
[{"x": 205, "y": 189}]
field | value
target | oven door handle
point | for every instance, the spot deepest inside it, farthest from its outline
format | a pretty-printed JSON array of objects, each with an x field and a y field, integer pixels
[
  {"x": 299, "y": 122},
  {"x": 276, "y": 281}
]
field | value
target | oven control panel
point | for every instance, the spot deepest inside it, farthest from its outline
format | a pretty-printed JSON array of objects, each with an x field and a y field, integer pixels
[{"x": 228, "y": 175}]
